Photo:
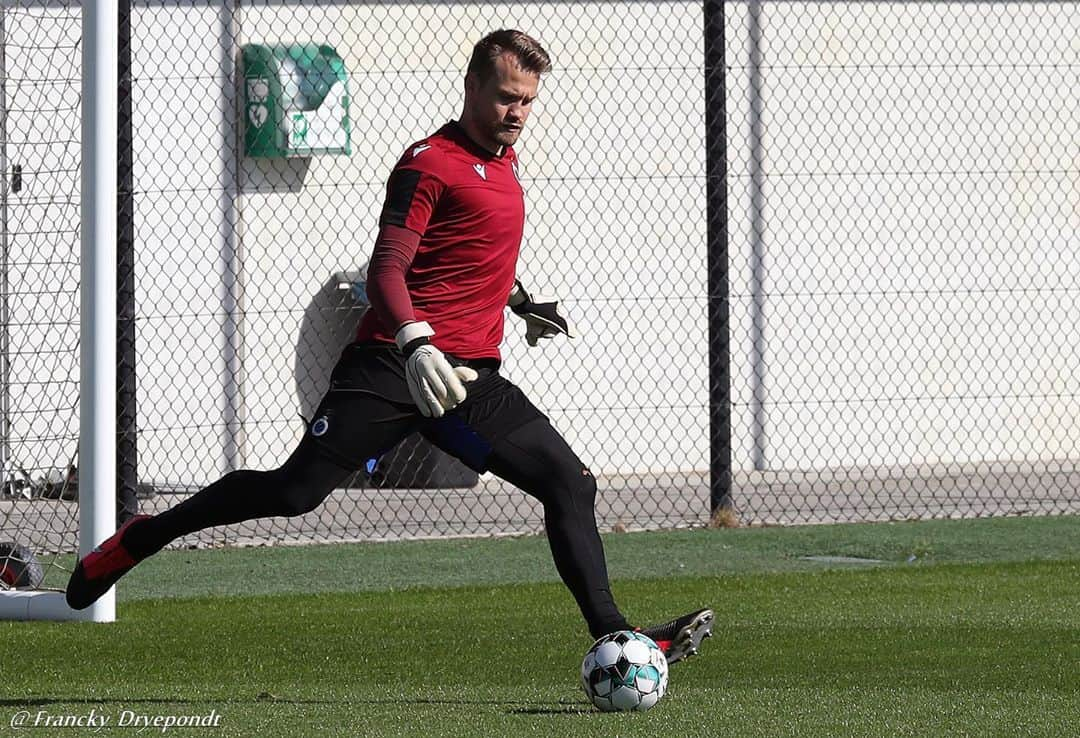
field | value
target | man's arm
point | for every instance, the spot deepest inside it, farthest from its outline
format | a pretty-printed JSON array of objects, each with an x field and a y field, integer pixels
[
  {"x": 412, "y": 194},
  {"x": 434, "y": 385},
  {"x": 395, "y": 249}
]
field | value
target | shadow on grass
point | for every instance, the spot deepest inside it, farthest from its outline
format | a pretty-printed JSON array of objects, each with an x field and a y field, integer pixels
[{"x": 561, "y": 709}]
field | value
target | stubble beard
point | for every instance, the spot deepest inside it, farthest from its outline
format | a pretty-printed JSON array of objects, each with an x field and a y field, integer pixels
[{"x": 504, "y": 137}]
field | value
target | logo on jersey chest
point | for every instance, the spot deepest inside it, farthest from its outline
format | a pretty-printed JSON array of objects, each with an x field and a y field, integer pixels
[{"x": 481, "y": 171}]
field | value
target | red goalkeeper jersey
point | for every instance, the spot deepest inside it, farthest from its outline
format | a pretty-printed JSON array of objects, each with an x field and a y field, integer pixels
[{"x": 468, "y": 207}]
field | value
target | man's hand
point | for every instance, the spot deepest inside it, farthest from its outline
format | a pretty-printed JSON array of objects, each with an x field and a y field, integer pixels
[
  {"x": 435, "y": 386},
  {"x": 541, "y": 314}
]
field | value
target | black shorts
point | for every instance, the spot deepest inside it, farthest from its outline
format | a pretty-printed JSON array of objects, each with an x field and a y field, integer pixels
[{"x": 368, "y": 410}]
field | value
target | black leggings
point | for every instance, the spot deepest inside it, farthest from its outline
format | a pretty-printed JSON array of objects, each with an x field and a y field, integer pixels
[
  {"x": 534, "y": 457},
  {"x": 296, "y": 487},
  {"x": 537, "y": 460}
]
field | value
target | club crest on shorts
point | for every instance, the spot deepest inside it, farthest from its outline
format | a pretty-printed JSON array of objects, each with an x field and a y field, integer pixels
[{"x": 320, "y": 426}]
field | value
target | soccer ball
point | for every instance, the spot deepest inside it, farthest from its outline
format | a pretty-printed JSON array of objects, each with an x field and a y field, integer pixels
[
  {"x": 624, "y": 671},
  {"x": 19, "y": 568}
]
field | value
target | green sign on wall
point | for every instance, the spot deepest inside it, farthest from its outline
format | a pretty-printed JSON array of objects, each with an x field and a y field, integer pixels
[{"x": 296, "y": 101}]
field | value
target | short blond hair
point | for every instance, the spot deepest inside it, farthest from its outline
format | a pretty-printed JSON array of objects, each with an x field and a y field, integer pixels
[{"x": 530, "y": 55}]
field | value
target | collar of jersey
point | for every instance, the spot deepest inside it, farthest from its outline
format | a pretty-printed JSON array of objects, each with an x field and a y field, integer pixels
[{"x": 458, "y": 131}]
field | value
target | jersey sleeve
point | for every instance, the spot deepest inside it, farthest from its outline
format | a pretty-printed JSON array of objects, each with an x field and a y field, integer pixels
[
  {"x": 386, "y": 288},
  {"x": 412, "y": 193}
]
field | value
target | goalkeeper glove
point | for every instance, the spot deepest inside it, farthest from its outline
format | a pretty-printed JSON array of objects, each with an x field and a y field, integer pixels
[
  {"x": 434, "y": 384},
  {"x": 541, "y": 314}
]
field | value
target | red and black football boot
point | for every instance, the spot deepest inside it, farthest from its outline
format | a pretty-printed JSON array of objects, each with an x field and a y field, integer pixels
[
  {"x": 680, "y": 638},
  {"x": 99, "y": 569}
]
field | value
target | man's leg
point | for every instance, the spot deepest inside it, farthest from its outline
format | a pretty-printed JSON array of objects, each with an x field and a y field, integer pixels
[
  {"x": 498, "y": 429},
  {"x": 362, "y": 416},
  {"x": 296, "y": 487},
  {"x": 536, "y": 459}
]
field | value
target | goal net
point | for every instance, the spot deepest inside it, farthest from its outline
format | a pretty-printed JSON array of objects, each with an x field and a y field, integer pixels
[{"x": 41, "y": 230}]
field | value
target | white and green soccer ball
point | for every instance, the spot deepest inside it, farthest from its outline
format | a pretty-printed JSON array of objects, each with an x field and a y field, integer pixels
[{"x": 624, "y": 671}]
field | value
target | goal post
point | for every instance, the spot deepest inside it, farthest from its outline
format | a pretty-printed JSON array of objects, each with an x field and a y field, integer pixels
[
  {"x": 97, "y": 425},
  {"x": 97, "y": 317}
]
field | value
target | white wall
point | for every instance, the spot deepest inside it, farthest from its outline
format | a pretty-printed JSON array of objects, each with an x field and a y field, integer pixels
[
  {"x": 613, "y": 163},
  {"x": 184, "y": 145},
  {"x": 919, "y": 247},
  {"x": 919, "y": 195},
  {"x": 921, "y": 220}
]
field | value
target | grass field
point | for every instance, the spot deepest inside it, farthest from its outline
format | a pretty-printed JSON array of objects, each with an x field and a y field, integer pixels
[{"x": 941, "y": 628}]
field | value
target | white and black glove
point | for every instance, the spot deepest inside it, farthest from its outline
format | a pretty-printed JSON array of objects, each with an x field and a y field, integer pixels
[
  {"x": 541, "y": 314},
  {"x": 434, "y": 384}
]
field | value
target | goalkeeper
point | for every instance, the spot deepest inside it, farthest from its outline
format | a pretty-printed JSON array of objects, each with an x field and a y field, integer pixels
[{"x": 426, "y": 358}]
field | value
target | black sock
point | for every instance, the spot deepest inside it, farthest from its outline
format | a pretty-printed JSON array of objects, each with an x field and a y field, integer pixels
[{"x": 299, "y": 485}]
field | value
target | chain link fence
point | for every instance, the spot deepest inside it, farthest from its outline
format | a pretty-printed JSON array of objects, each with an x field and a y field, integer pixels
[
  {"x": 904, "y": 202},
  {"x": 893, "y": 211},
  {"x": 40, "y": 159}
]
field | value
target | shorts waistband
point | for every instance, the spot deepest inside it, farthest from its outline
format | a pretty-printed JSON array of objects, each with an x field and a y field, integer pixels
[{"x": 477, "y": 364}]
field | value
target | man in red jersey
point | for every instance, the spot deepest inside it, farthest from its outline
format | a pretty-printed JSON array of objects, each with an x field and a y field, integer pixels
[{"x": 426, "y": 358}]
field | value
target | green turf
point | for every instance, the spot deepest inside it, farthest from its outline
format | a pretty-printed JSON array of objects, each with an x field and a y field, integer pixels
[
  {"x": 976, "y": 636},
  {"x": 450, "y": 563}
]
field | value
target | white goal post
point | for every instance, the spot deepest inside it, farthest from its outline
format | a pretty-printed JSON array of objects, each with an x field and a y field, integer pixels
[{"x": 97, "y": 320}]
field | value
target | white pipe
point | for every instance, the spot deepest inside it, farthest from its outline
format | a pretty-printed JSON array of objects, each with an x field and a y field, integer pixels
[
  {"x": 39, "y": 605},
  {"x": 97, "y": 428},
  {"x": 230, "y": 264},
  {"x": 758, "y": 361}
]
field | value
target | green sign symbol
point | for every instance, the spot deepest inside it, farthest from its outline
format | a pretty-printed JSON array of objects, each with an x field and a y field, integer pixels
[
  {"x": 258, "y": 90},
  {"x": 300, "y": 128},
  {"x": 258, "y": 115}
]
